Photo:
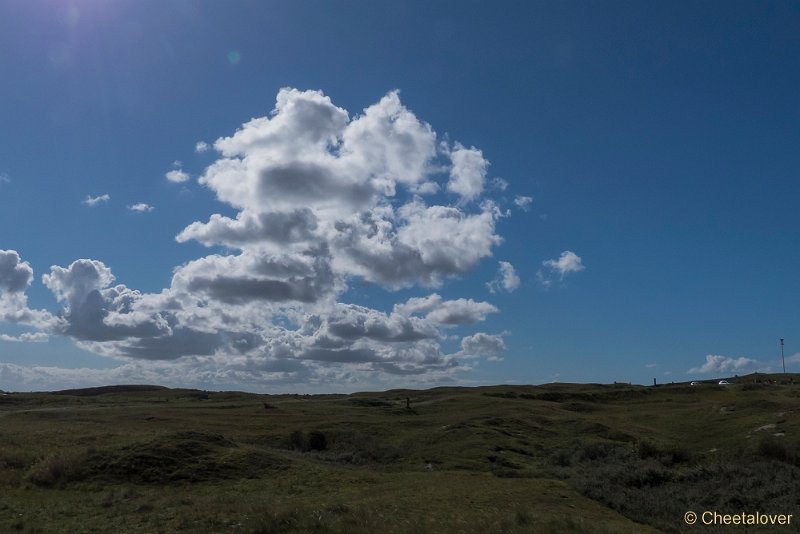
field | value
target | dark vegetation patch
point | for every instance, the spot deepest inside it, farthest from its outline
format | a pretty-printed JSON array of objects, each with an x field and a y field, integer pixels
[
  {"x": 593, "y": 397},
  {"x": 305, "y": 442},
  {"x": 361, "y": 448},
  {"x": 14, "y": 458},
  {"x": 655, "y": 484},
  {"x": 55, "y": 470},
  {"x": 9, "y": 399},
  {"x": 102, "y": 390},
  {"x": 762, "y": 405},
  {"x": 14, "y": 462},
  {"x": 228, "y": 406},
  {"x": 776, "y": 448},
  {"x": 179, "y": 457},
  {"x": 370, "y": 402},
  {"x": 579, "y": 398},
  {"x": 603, "y": 431},
  {"x": 581, "y": 407},
  {"x": 754, "y": 386},
  {"x": 502, "y": 394}
]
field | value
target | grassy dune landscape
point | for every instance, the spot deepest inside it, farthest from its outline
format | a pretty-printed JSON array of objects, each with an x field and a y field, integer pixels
[{"x": 557, "y": 457}]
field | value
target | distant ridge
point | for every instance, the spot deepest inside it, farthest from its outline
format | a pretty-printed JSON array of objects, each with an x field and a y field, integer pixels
[
  {"x": 752, "y": 378},
  {"x": 102, "y": 390}
]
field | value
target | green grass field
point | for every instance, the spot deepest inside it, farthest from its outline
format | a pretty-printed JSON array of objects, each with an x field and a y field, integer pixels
[{"x": 552, "y": 458}]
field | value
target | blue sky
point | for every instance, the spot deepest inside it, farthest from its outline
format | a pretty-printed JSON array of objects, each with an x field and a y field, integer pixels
[{"x": 630, "y": 167}]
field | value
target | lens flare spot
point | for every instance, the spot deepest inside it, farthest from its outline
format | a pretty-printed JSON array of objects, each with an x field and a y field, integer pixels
[
  {"x": 234, "y": 57},
  {"x": 73, "y": 16},
  {"x": 60, "y": 56}
]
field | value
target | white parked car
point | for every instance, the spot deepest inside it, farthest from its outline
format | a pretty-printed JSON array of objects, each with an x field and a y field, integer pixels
[{"x": 724, "y": 383}]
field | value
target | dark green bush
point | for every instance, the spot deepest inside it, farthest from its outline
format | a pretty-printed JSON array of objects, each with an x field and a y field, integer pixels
[
  {"x": 776, "y": 448},
  {"x": 313, "y": 441},
  {"x": 317, "y": 441},
  {"x": 667, "y": 455},
  {"x": 55, "y": 470}
]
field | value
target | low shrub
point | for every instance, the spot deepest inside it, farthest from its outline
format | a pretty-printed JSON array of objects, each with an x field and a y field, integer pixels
[
  {"x": 667, "y": 455},
  {"x": 317, "y": 441},
  {"x": 55, "y": 470},
  {"x": 179, "y": 458},
  {"x": 654, "y": 483},
  {"x": 776, "y": 448},
  {"x": 313, "y": 441},
  {"x": 595, "y": 450}
]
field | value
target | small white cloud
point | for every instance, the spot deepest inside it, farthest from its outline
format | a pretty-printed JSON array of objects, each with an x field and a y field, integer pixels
[
  {"x": 723, "y": 364},
  {"x": 177, "y": 163},
  {"x": 553, "y": 270},
  {"x": 523, "y": 203},
  {"x": 506, "y": 278},
  {"x": 141, "y": 207},
  {"x": 499, "y": 183},
  {"x": 28, "y": 337},
  {"x": 425, "y": 188},
  {"x": 468, "y": 173},
  {"x": 201, "y": 147},
  {"x": 177, "y": 176},
  {"x": 4, "y": 178},
  {"x": 94, "y": 201}
]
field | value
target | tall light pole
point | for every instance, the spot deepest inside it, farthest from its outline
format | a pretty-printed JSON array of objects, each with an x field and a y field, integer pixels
[{"x": 782, "y": 359}]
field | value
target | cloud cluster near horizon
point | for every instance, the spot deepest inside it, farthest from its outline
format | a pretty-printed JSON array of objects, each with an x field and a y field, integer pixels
[
  {"x": 322, "y": 199},
  {"x": 722, "y": 364}
]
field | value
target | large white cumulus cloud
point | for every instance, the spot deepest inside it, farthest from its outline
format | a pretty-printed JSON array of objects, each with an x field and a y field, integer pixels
[
  {"x": 323, "y": 200},
  {"x": 309, "y": 153}
]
